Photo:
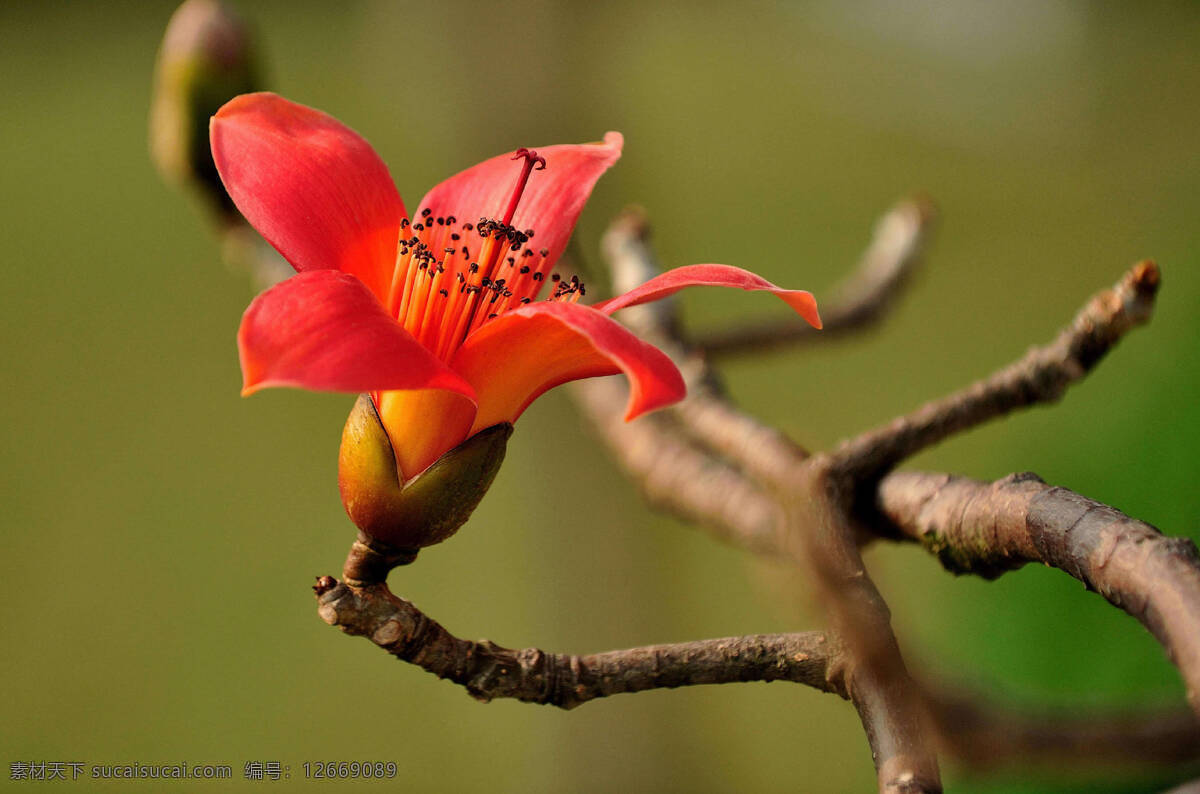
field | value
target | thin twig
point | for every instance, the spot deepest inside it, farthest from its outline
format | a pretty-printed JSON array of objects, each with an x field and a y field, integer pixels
[
  {"x": 489, "y": 671},
  {"x": 988, "y": 528},
  {"x": 984, "y": 735},
  {"x": 1041, "y": 376},
  {"x": 859, "y": 302}
]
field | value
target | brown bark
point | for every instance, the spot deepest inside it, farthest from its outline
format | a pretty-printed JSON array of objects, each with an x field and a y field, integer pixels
[
  {"x": 990, "y": 528},
  {"x": 489, "y": 671}
]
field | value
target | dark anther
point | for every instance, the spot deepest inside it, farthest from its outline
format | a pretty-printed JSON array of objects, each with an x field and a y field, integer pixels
[
  {"x": 545, "y": 252},
  {"x": 425, "y": 213}
]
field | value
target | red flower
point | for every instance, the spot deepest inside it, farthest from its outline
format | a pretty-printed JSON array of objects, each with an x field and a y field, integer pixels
[{"x": 438, "y": 319}]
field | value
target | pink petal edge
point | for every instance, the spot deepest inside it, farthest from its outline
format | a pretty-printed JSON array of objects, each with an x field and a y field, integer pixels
[{"x": 672, "y": 281}]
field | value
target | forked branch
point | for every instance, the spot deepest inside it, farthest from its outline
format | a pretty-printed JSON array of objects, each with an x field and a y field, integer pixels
[{"x": 698, "y": 431}]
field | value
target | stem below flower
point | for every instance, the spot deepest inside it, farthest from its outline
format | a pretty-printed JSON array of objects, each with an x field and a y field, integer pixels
[{"x": 370, "y": 561}]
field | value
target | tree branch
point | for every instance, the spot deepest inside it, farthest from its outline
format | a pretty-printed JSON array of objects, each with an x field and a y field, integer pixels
[
  {"x": 1041, "y": 376},
  {"x": 981, "y": 735},
  {"x": 989, "y": 528},
  {"x": 985, "y": 735},
  {"x": 859, "y": 302},
  {"x": 489, "y": 671},
  {"x": 821, "y": 537}
]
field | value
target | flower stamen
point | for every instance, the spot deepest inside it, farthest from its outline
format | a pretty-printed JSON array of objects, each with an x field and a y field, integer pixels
[
  {"x": 532, "y": 159},
  {"x": 442, "y": 298}
]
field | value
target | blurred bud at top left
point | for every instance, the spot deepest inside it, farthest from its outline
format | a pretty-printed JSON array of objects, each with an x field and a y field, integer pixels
[{"x": 207, "y": 57}]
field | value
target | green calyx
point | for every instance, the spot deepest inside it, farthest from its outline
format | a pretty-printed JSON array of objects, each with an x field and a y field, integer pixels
[{"x": 428, "y": 508}]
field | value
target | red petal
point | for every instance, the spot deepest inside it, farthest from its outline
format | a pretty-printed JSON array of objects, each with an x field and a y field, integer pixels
[
  {"x": 522, "y": 353},
  {"x": 712, "y": 276},
  {"x": 324, "y": 330},
  {"x": 309, "y": 184},
  {"x": 553, "y": 197}
]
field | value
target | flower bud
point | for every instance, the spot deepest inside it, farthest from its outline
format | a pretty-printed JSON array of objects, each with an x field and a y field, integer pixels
[
  {"x": 428, "y": 508},
  {"x": 205, "y": 60}
]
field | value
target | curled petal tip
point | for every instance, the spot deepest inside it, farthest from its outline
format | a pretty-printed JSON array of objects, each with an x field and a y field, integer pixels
[
  {"x": 665, "y": 284},
  {"x": 804, "y": 304}
]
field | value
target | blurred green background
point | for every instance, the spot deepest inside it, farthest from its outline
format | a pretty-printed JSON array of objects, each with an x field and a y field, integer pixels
[{"x": 161, "y": 533}]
